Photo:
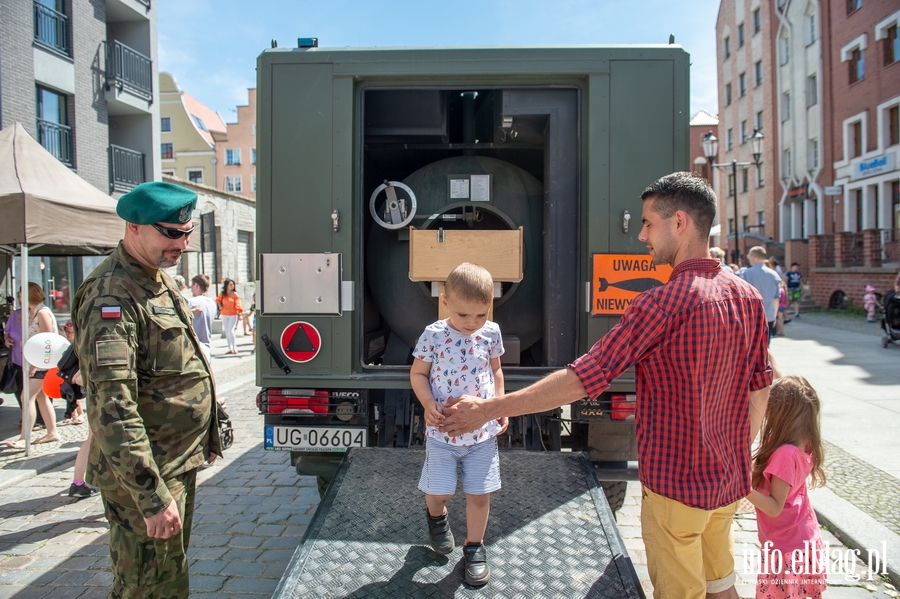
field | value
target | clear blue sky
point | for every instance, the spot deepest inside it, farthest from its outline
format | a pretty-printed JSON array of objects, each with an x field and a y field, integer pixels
[{"x": 210, "y": 46}]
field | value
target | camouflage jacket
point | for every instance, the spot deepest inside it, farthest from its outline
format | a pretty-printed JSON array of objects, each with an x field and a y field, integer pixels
[{"x": 150, "y": 389}]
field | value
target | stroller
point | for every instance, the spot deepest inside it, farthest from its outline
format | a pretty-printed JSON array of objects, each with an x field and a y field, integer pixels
[{"x": 891, "y": 320}]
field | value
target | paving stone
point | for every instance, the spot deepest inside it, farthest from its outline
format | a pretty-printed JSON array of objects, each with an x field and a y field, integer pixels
[
  {"x": 247, "y": 555},
  {"x": 206, "y": 566},
  {"x": 247, "y": 569},
  {"x": 254, "y": 585},
  {"x": 207, "y": 583}
]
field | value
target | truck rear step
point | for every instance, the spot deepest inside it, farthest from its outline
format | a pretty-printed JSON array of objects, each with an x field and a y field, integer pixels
[{"x": 551, "y": 533}]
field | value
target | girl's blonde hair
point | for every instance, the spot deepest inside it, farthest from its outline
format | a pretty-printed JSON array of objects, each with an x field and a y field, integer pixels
[{"x": 792, "y": 418}]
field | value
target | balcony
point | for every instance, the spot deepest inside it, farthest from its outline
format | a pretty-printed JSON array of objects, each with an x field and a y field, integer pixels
[
  {"x": 51, "y": 29},
  {"x": 56, "y": 139},
  {"x": 126, "y": 168},
  {"x": 128, "y": 70}
]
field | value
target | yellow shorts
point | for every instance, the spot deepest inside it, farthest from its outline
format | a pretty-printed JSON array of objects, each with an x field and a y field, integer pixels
[{"x": 690, "y": 551}]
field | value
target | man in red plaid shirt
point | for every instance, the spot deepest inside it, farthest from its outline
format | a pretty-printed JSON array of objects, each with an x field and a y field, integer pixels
[{"x": 698, "y": 345}]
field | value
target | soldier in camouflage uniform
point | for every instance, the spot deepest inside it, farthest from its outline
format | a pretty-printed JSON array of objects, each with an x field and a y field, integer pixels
[{"x": 150, "y": 394}]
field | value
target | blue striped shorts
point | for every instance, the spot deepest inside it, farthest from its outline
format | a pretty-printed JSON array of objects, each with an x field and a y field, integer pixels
[{"x": 479, "y": 464}]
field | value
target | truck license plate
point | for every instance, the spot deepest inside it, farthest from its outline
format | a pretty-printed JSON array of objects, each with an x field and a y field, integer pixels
[{"x": 314, "y": 438}]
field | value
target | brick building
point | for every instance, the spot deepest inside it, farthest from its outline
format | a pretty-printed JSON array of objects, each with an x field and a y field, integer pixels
[
  {"x": 828, "y": 104},
  {"x": 79, "y": 77},
  {"x": 236, "y": 151},
  {"x": 746, "y": 73}
]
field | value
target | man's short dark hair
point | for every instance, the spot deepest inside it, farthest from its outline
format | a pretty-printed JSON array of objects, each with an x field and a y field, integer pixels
[
  {"x": 202, "y": 282},
  {"x": 795, "y": 264},
  {"x": 684, "y": 191}
]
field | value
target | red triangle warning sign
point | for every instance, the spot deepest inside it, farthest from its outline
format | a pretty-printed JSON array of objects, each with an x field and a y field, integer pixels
[{"x": 301, "y": 342}]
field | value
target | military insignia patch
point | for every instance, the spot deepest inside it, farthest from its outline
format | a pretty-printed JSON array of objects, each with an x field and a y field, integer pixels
[
  {"x": 112, "y": 352},
  {"x": 185, "y": 214},
  {"x": 110, "y": 311}
]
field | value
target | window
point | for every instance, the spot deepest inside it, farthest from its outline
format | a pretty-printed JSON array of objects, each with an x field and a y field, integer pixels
[
  {"x": 165, "y": 124},
  {"x": 199, "y": 122},
  {"x": 759, "y": 121},
  {"x": 785, "y": 106},
  {"x": 727, "y": 47},
  {"x": 786, "y": 163},
  {"x": 856, "y": 145},
  {"x": 742, "y": 84},
  {"x": 730, "y": 184},
  {"x": 745, "y": 179},
  {"x": 744, "y": 135},
  {"x": 195, "y": 175},
  {"x": 51, "y": 25},
  {"x": 760, "y": 178},
  {"x": 727, "y": 94},
  {"x": 253, "y": 183},
  {"x": 784, "y": 49},
  {"x": 812, "y": 91},
  {"x": 757, "y": 21},
  {"x": 761, "y": 218},
  {"x": 232, "y": 155},
  {"x": 893, "y": 119},
  {"x": 731, "y": 226},
  {"x": 729, "y": 140},
  {"x": 167, "y": 151},
  {"x": 254, "y": 129},
  {"x": 813, "y": 157},
  {"x": 857, "y": 66},
  {"x": 741, "y": 35},
  {"x": 233, "y": 183},
  {"x": 758, "y": 71},
  {"x": 169, "y": 172},
  {"x": 809, "y": 29},
  {"x": 245, "y": 256},
  {"x": 853, "y": 5},
  {"x": 887, "y": 31},
  {"x": 859, "y": 209},
  {"x": 252, "y": 155},
  {"x": 53, "y": 129},
  {"x": 745, "y": 223}
]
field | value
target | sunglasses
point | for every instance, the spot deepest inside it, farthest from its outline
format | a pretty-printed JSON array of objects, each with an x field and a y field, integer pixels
[{"x": 172, "y": 233}]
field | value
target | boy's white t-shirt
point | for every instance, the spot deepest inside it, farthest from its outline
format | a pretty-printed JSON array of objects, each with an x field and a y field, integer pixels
[{"x": 460, "y": 365}]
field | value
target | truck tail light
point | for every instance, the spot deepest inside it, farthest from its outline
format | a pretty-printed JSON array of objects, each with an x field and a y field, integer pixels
[
  {"x": 623, "y": 407},
  {"x": 298, "y": 401}
]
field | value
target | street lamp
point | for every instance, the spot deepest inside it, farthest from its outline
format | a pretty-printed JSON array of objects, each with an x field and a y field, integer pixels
[{"x": 710, "y": 148}]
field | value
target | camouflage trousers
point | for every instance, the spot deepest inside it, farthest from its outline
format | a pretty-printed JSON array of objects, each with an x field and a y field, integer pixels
[{"x": 142, "y": 566}]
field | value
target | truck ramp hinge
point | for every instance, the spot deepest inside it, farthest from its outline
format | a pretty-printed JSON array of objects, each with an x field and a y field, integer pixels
[
  {"x": 335, "y": 221},
  {"x": 441, "y": 236}
]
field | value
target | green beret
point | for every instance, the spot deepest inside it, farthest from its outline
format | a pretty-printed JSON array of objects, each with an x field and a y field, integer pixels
[{"x": 157, "y": 202}]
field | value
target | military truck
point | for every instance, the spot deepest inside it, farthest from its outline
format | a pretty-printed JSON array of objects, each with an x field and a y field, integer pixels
[{"x": 380, "y": 169}]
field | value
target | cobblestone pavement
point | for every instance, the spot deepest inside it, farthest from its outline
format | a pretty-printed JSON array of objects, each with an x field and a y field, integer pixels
[{"x": 875, "y": 492}]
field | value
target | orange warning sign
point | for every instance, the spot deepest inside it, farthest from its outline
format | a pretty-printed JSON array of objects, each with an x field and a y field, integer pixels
[{"x": 618, "y": 278}]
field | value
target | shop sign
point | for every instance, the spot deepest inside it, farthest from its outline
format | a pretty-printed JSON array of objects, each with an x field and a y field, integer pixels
[{"x": 873, "y": 166}]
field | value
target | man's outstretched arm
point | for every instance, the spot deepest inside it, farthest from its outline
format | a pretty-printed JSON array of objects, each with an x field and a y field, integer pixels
[{"x": 465, "y": 414}]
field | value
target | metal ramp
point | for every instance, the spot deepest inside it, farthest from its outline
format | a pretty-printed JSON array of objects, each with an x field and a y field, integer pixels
[{"x": 550, "y": 534}]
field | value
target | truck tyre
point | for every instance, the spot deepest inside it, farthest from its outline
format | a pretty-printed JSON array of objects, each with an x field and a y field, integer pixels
[{"x": 615, "y": 493}]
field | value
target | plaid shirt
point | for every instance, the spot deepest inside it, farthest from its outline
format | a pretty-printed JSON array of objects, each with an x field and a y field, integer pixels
[{"x": 698, "y": 345}]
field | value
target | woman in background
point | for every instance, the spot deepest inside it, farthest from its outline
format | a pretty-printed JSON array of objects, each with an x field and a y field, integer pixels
[{"x": 229, "y": 309}]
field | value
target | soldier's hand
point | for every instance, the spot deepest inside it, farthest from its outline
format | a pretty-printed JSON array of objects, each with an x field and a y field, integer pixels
[{"x": 164, "y": 524}]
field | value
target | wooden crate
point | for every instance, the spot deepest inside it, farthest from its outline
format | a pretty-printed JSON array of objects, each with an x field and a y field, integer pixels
[{"x": 500, "y": 252}]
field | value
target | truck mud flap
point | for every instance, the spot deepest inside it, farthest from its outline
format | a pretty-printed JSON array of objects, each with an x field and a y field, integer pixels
[{"x": 550, "y": 534}]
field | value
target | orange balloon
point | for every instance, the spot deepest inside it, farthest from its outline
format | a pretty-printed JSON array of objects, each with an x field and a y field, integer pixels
[{"x": 52, "y": 382}]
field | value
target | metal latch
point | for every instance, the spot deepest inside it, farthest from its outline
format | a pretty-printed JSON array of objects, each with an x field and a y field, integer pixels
[{"x": 441, "y": 236}]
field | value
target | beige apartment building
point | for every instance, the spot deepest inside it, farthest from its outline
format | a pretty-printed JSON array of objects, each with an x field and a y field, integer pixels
[
  {"x": 236, "y": 151},
  {"x": 187, "y": 146}
]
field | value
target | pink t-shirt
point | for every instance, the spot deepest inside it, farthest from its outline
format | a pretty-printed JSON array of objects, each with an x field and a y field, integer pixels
[{"x": 797, "y": 522}]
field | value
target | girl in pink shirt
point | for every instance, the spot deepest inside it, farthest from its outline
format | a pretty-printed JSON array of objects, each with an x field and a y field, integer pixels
[{"x": 792, "y": 563}]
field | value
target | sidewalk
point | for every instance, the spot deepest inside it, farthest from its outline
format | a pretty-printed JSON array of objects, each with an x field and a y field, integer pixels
[{"x": 15, "y": 467}]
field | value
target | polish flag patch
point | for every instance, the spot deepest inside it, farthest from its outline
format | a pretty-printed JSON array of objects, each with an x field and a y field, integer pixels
[{"x": 110, "y": 312}]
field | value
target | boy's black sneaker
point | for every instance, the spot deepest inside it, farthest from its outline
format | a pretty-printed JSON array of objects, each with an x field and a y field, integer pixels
[
  {"x": 477, "y": 570},
  {"x": 440, "y": 534},
  {"x": 81, "y": 491}
]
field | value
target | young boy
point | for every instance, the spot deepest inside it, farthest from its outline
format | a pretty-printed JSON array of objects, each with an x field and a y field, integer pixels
[
  {"x": 793, "y": 277},
  {"x": 453, "y": 357}
]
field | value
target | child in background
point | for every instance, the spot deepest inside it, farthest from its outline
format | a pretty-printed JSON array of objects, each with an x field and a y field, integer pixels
[
  {"x": 794, "y": 280},
  {"x": 870, "y": 302},
  {"x": 792, "y": 554},
  {"x": 454, "y": 357}
]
